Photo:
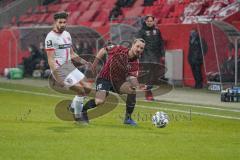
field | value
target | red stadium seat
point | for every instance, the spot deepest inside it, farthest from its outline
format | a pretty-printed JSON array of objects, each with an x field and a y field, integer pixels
[
  {"x": 96, "y": 24},
  {"x": 86, "y": 23},
  {"x": 108, "y": 4},
  {"x": 138, "y": 3},
  {"x": 73, "y": 17},
  {"x": 178, "y": 11},
  {"x": 95, "y": 5},
  {"x": 49, "y": 19},
  {"x": 167, "y": 8},
  {"x": 134, "y": 12},
  {"x": 54, "y": 8},
  {"x": 84, "y": 6},
  {"x": 42, "y": 17},
  {"x": 102, "y": 15},
  {"x": 88, "y": 15},
  {"x": 64, "y": 6},
  {"x": 40, "y": 9},
  {"x": 73, "y": 6}
]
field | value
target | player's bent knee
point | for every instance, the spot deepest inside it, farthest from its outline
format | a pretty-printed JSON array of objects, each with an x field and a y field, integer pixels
[
  {"x": 87, "y": 90},
  {"x": 99, "y": 101}
]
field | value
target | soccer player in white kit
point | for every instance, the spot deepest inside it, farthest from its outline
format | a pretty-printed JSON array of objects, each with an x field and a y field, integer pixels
[{"x": 58, "y": 45}]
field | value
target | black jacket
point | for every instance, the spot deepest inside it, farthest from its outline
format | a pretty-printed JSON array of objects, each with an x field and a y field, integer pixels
[
  {"x": 154, "y": 48},
  {"x": 196, "y": 50}
]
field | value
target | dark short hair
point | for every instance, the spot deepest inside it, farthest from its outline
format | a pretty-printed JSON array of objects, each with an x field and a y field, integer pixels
[
  {"x": 147, "y": 16},
  {"x": 60, "y": 15},
  {"x": 138, "y": 39}
]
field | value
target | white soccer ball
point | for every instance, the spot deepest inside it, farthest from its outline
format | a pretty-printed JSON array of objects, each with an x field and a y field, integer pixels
[{"x": 160, "y": 119}]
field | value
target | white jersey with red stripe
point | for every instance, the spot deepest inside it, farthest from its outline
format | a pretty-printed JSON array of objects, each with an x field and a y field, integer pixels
[{"x": 61, "y": 43}]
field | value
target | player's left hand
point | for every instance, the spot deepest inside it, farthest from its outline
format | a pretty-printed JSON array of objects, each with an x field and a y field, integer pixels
[{"x": 89, "y": 66}]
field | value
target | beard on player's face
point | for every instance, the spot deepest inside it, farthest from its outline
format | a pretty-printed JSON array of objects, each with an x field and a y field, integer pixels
[
  {"x": 135, "y": 54},
  {"x": 61, "y": 28},
  {"x": 60, "y": 25}
]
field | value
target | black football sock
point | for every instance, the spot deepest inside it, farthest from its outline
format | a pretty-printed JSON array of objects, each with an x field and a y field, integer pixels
[
  {"x": 89, "y": 105},
  {"x": 130, "y": 105}
]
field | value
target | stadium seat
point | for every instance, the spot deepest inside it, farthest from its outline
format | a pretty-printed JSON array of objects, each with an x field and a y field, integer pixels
[
  {"x": 229, "y": 10},
  {"x": 214, "y": 8},
  {"x": 23, "y": 18},
  {"x": 49, "y": 19},
  {"x": 178, "y": 10},
  {"x": 134, "y": 12},
  {"x": 86, "y": 23},
  {"x": 95, "y": 5},
  {"x": 73, "y": 6},
  {"x": 42, "y": 17},
  {"x": 138, "y": 3},
  {"x": 40, "y": 9},
  {"x": 64, "y": 7},
  {"x": 159, "y": 2},
  {"x": 102, "y": 15},
  {"x": 96, "y": 24},
  {"x": 84, "y": 6},
  {"x": 154, "y": 10},
  {"x": 88, "y": 15},
  {"x": 193, "y": 9},
  {"x": 73, "y": 17},
  {"x": 54, "y": 8},
  {"x": 108, "y": 4}
]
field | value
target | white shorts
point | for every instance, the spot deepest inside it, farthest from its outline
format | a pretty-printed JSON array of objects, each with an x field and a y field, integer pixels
[
  {"x": 68, "y": 74},
  {"x": 73, "y": 78}
]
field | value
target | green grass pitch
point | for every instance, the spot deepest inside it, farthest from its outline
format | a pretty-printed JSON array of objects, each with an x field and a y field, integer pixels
[{"x": 30, "y": 130}]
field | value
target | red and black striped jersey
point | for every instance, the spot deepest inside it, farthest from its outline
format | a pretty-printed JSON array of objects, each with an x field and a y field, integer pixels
[{"x": 118, "y": 65}]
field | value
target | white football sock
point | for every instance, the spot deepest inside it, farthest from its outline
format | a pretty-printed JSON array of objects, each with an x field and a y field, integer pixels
[{"x": 77, "y": 105}]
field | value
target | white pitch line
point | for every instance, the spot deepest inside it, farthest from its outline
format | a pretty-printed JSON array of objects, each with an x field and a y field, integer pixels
[
  {"x": 195, "y": 106},
  {"x": 141, "y": 106},
  {"x": 34, "y": 93},
  {"x": 197, "y": 113}
]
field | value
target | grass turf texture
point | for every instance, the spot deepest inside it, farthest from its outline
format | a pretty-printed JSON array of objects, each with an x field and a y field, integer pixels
[{"x": 29, "y": 129}]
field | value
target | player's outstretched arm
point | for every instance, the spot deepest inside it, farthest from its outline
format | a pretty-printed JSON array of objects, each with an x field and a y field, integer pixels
[
  {"x": 98, "y": 57},
  {"x": 78, "y": 58}
]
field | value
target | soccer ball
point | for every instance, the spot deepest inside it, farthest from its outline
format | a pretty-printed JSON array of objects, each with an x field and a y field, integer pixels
[{"x": 160, "y": 119}]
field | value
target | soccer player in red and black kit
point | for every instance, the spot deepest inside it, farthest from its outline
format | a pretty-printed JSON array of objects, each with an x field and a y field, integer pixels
[{"x": 119, "y": 74}]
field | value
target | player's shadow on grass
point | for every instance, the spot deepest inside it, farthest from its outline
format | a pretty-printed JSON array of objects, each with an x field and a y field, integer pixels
[{"x": 62, "y": 109}]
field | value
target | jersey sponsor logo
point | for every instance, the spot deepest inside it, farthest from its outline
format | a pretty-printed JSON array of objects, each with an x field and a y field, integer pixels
[
  {"x": 49, "y": 43},
  {"x": 64, "y": 46},
  {"x": 69, "y": 81}
]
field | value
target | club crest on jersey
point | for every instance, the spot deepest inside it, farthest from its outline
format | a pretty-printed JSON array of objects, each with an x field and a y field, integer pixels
[
  {"x": 69, "y": 81},
  {"x": 129, "y": 66},
  {"x": 49, "y": 43}
]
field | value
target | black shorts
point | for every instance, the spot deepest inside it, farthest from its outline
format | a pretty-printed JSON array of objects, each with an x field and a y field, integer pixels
[{"x": 106, "y": 85}]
